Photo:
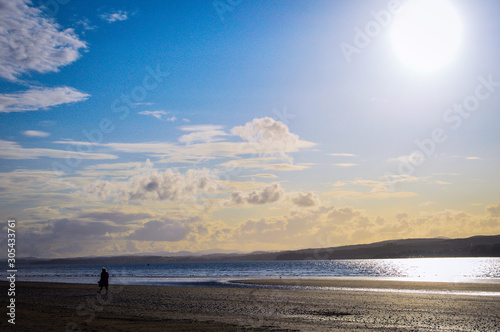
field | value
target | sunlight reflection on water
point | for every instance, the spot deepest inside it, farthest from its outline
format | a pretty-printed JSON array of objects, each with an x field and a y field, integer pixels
[{"x": 415, "y": 269}]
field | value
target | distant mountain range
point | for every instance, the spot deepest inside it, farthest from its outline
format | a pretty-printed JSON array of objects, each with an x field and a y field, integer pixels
[{"x": 477, "y": 246}]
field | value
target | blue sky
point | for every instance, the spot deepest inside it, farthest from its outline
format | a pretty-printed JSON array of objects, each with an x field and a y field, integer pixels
[{"x": 193, "y": 125}]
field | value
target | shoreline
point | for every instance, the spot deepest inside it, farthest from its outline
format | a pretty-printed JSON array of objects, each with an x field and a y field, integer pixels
[
  {"x": 72, "y": 307},
  {"x": 381, "y": 284}
]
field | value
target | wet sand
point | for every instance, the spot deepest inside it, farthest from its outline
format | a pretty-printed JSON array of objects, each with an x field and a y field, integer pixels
[{"x": 77, "y": 307}]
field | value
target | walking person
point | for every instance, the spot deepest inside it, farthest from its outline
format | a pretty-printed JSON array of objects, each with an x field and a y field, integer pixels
[{"x": 104, "y": 280}]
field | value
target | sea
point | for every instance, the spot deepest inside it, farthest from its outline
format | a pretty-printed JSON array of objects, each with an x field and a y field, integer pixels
[{"x": 223, "y": 274}]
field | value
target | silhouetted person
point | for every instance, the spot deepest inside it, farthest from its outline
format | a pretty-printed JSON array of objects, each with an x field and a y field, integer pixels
[{"x": 104, "y": 280}]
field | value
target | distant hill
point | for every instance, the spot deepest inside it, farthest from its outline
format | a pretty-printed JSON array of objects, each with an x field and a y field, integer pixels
[{"x": 476, "y": 246}]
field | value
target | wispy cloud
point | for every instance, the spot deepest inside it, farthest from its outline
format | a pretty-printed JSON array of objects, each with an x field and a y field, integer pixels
[
  {"x": 31, "y": 42},
  {"x": 35, "y": 133},
  {"x": 342, "y": 155},
  {"x": 36, "y": 99},
  {"x": 202, "y": 133},
  {"x": 159, "y": 115},
  {"x": 85, "y": 24},
  {"x": 345, "y": 165},
  {"x": 116, "y": 16},
  {"x": 201, "y": 128},
  {"x": 12, "y": 150}
]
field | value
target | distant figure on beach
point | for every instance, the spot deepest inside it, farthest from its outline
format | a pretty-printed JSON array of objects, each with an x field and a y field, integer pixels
[{"x": 104, "y": 280}]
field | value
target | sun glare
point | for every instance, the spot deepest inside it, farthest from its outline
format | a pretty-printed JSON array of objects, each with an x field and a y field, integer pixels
[{"x": 426, "y": 34}]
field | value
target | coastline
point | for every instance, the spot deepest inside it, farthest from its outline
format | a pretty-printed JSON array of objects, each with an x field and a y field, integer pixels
[
  {"x": 375, "y": 284},
  {"x": 73, "y": 307}
]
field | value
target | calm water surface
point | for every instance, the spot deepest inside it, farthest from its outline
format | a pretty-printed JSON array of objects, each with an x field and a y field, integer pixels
[{"x": 419, "y": 269}]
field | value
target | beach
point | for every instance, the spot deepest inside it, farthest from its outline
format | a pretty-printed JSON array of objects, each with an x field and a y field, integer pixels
[{"x": 345, "y": 305}]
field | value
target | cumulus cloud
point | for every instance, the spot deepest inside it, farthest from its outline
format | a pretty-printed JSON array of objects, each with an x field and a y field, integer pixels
[
  {"x": 35, "y": 133},
  {"x": 494, "y": 210},
  {"x": 31, "y": 42},
  {"x": 304, "y": 199},
  {"x": 12, "y": 150},
  {"x": 343, "y": 214},
  {"x": 169, "y": 185},
  {"x": 100, "y": 189},
  {"x": 160, "y": 230},
  {"x": 115, "y": 16},
  {"x": 39, "y": 99},
  {"x": 269, "y": 194},
  {"x": 272, "y": 136}
]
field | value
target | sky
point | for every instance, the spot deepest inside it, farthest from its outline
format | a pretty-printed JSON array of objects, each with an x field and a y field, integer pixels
[{"x": 162, "y": 126}]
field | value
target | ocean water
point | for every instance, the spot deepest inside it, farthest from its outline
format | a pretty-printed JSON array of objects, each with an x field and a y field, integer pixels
[{"x": 221, "y": 273}]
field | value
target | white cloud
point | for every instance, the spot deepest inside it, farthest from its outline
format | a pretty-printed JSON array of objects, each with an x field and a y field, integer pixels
[
  {"x": 201, "y": 128},
  {"x": 118, "y": 166},
  {"x": 342, "y": 154},
  {"x": 304, "y": 199},
  {"x": 288, "y": 167},
  {"x": 31, "y": 42},
  {"x": 85, "y": 24},
  {"x": 156, "y": 114},
  {"x": 12, "y": 150},
  {"x": 269, "y": 194},
  {"x": 376, "y": 193},
  {"x": 39, "y": 98},
  {"x": 202, "y": 133},
  {"x": 345, "y": 165},
  {"x": 263, "y": 175},
  {"x": 115, "y": 16},
  {"x": 270, "y": 136},
  {"x": 265, "y": 163},
  {"x": 35, "y": 133},
  {"x": 415, "y": 158},
  {"x": 167, "y": 185},
  {"x": 101, "y": 189}
]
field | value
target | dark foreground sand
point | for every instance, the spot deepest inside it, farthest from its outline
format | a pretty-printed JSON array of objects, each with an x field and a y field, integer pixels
[{"x": 75, "y": 307}]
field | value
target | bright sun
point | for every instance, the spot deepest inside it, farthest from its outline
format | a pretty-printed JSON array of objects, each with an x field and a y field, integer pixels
[{"x": 426, "y": 34}]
